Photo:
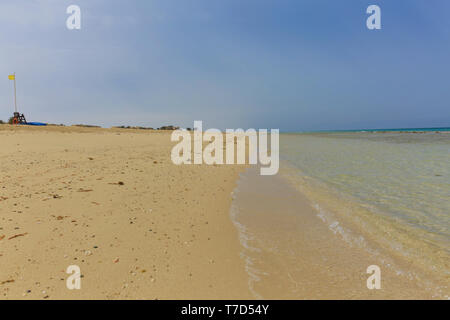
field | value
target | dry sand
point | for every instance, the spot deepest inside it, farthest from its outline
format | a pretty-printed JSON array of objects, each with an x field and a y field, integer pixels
[{"x": 112, "y": 202}]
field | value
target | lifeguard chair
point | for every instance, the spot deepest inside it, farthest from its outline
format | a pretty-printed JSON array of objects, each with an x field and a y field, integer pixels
[{"x": 19, "y": 118}]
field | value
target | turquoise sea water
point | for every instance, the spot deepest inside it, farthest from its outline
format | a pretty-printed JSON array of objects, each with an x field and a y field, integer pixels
[
  {"x": 400, "y": 180},
  {"x": 437, "y": 129}
]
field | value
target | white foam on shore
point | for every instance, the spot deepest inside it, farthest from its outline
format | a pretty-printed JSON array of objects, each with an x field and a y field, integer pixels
[
  {"x": 245, "y": 237},
  {"x": 356, "y": 238},
  {"x": 338, "y": 224}
]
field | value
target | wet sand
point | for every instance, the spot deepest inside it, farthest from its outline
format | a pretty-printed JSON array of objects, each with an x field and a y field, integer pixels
[
  {"x": 291, "y": 253},
  {"x": 112, "y": 202}
]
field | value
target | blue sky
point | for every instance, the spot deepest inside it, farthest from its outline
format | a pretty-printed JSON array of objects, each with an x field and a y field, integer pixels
[{"x": 293, "y": 65}]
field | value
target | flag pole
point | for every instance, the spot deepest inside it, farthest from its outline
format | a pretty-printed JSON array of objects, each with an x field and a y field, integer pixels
[{"x": 15, "y": 96}]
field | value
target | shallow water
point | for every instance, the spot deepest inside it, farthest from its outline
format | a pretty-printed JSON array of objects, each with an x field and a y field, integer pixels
[
  {"x": 341, "y": 202},
  {"x": 394, "y": 187},
  {"x": 293, "y": 249},
  {"x": 403, "y": 175}
]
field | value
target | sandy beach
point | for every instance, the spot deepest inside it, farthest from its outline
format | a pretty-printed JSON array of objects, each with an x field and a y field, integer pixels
[{"x": 111, "y": 202}]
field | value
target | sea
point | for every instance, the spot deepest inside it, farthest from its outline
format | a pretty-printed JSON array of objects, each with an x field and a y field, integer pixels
[{"x": 387, "y": 190}]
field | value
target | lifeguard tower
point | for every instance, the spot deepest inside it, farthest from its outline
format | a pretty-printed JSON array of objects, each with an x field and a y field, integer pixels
[{"x": 17, "y": 118}]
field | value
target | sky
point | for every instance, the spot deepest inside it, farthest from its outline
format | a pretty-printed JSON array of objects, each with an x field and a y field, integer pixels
[{"x": 294, "y": 65}]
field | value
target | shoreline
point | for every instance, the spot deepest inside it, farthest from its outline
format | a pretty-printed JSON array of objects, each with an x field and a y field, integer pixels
[
  {"x": 112, "y": 202},
  {"x": 292, "y": 253}
]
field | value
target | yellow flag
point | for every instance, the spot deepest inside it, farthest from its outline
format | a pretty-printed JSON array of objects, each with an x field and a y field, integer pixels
[{"x": 12, "y": 77}]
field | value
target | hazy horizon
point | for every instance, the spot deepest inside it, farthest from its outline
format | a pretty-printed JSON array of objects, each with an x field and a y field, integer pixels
[{"x": 292, "y": 65}]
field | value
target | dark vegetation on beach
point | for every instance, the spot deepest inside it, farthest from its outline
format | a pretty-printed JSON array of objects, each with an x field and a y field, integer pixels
[
  {"x": 170, "y": 127},
  {"x": 133, "y": 127},
  {"x": 10, "y": 121},
  {"x": 86, "y": 126}
]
